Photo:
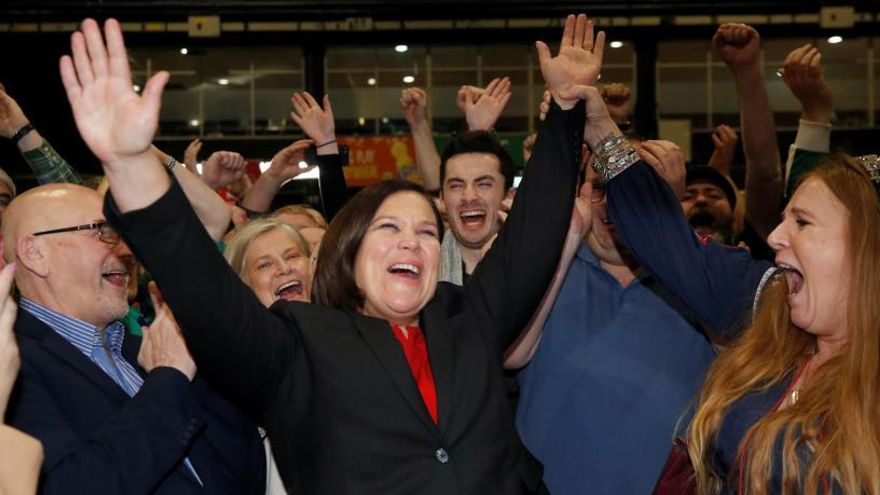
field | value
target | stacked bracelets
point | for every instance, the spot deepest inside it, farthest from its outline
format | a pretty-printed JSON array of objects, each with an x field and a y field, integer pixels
[{"x": 613, "y": 155}]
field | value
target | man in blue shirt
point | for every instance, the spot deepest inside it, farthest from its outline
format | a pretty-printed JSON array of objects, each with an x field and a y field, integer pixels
[
  {"x": 616, "y": 367},
  {"x": 113, "y": 416}
]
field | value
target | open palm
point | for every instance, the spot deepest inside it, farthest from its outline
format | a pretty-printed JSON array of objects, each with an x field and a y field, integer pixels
[
  {"x": 113, "y": 120},
  {"x": 579, "y": 59}
]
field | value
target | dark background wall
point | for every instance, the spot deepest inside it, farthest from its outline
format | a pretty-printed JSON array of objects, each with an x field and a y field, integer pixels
[{"x": 29, "y": 67}]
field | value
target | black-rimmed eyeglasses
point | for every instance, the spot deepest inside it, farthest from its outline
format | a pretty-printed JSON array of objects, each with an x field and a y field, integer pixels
[{"x": 105, "y": 232}]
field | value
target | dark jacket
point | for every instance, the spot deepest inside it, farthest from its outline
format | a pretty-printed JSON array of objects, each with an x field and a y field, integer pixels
[
  {"x": 98, "y": 440},
  {"x": 333, "y": 387}
]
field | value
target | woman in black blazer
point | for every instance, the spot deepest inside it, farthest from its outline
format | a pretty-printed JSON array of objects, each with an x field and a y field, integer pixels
[{"x": 338, "y": 395}]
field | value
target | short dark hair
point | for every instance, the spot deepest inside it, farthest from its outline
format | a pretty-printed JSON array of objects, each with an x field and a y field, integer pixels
[
  {"x": 334, "y": 284},
  {"x": 478, "y": 142}
]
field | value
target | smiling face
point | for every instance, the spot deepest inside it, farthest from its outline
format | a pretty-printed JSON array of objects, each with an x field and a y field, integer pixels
[
  {"x": 473, "y": 189},
  {"x": 811, "y": 247},
  {"x": 75, "y": 273},
  {"x": 397, "y": 265},
  {"x": 275, "y": 267}
]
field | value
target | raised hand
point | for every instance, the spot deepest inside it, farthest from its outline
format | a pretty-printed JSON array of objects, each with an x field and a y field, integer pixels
[
  {"x": 12, "y": 118},
  {"x": 599, "y": 123},
  {"x": 114, "y": 121},
  {"x": 802, "y": 73},
  {"x": 468, "y": 94},
  {"x": 191, "y": 155},
  {"x": 316, "y": 122},
  {"x": 414, "y": 102},
  {"x": 287, "y": 163},
  {"x": 617, "y": 97},
  {"x": 578, "y": 62},
  {"x": 737, "y": 45},
  {"x": 725, "y": 140},
  {"x": 163, "y": 343},
  {"x": 223, "y": 168},
  {"x": 482, "y": 114},
  {"x": 9, "y": 359},
  {"x": 668, "y": 160}
]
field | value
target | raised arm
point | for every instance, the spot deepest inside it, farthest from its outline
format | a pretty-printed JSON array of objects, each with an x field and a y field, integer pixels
[
  {"x": 318, "y": 124},
  {"x": 725, "y": 140},
  {"x": 214, "y": 213},
  {"x": 738, "y": 46},
  {"x": 414, "y": 102},
  {"x": 482, "y": 109},
  {"x": 191, "y": 154},
  {"x": 717, "y": 282},
  {"x": 286, "y": 164},
  {"x": 802, "y": 73},
  {"x": 152, "y": 214},
  {"x": 523, "y": 349},
  {"x": 48, "y": 166},
  {"x": 515, "y": 273}
]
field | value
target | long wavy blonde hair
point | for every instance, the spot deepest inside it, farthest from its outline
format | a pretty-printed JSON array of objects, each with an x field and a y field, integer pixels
[{"x": 837, "y": 416}]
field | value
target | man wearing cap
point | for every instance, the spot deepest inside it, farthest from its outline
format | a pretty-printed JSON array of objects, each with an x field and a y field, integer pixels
[{"x": 709, "y": 202}]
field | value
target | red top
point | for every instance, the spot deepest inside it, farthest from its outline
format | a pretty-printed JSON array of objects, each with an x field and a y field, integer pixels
[{"x": 416, "y": 351}]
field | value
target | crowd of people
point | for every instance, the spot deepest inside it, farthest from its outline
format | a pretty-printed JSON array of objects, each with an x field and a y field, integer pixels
[{"x": 618, "y": 323}]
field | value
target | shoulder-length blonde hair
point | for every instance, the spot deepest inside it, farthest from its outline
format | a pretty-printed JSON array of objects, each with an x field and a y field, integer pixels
[
  {"x": 838, "y": 415},
  {"x": 238, "y": 243}
]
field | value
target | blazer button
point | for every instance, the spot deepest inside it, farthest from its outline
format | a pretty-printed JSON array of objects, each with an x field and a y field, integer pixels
[{"x": 442, "y": 456}]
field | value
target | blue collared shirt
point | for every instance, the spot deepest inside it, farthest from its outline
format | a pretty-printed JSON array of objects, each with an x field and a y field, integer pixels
[
  {"x": 105, "y": 352},
  {"x": 86, "y": 338},
  {"x": 615, "y": 369}
]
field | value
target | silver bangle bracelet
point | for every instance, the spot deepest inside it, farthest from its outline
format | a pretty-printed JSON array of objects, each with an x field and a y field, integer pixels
[
  {"x": 171, "y": 163},
  {"x": 613, "y": 155}
]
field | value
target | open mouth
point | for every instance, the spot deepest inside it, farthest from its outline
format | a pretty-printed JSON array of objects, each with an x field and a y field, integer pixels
[
  {"x": 701, "y": 219},
  {"x": 289, "y": 291},
  {"x": 118, "y": 278},
  {"x": 406, "y": 270},
  {"x": 793, "y": 277},
  {"x": 472, "y": 218}
]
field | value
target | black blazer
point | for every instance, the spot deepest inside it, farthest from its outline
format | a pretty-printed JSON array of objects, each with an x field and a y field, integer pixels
[
  {"x": 333, "y": 387},
  {"x": 98, "y": 440}
]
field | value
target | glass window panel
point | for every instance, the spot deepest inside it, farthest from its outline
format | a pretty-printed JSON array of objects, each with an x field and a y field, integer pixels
[
  {"x": 505, "y": 56},
  {"x": 622, "y": 55},
  {"x": 453, "y": 56},
  {"x": 685, "y": 51},
  {"x": 681, "y": 94},
  {"x": 272, "y": 92},
  {"x": 846, "y": 70}
]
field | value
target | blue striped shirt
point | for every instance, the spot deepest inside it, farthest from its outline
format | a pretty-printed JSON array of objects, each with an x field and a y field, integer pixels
[
  {"x": 105, "y": 352},
  {"x": 87, "y": 339}
]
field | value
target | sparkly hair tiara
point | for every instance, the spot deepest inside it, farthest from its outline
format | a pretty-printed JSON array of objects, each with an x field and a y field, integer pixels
[{"x": 872, "y": 166}]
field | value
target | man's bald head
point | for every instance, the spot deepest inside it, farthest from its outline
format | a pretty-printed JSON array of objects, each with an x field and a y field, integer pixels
[
  {"x": 43, "y": 208},
  {"x": 72, "y": 272}
]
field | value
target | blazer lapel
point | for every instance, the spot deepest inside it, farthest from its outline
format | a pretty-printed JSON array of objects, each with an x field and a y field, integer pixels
[
  {"x": 131, "y": 346},
  {"x": 435, "y": 324},
  {"x": 65, "y": 351},
  {"x": 380, "y": 338}
]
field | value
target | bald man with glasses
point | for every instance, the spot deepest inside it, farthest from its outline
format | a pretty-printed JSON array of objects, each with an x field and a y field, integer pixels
[{"x": 115, "y": 414}]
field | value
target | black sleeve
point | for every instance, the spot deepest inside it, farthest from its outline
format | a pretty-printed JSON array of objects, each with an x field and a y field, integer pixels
[
  {"x": 131, "y": 452},
  {"x": 334, "y": 192},
  {"x": 715, "y": 281},
  {"x": 240, "y": 347},
  {"x": 510, "y": 281}
]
